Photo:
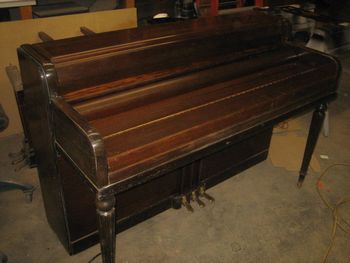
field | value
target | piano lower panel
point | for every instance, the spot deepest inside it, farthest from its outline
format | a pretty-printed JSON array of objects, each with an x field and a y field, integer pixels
[
  {"x": 217, "y": 163},
  {"x": 146, "y": 200}
]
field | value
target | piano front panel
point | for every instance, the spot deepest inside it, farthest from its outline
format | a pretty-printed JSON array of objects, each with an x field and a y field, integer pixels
[
  {"x": 146, "y": 200},
  {"x": 227, "y": 160}
]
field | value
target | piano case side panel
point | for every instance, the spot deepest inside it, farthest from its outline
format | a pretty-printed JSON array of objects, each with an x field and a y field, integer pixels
[
  {"x": 133, "y": 206},
  {"x": 37, "y": 109},
  {"x": 80, "y": 142},
  {"x": 144, "y": 201}
]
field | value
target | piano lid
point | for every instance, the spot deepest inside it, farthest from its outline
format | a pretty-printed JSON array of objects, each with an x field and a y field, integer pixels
[{"x": 103, "y": 63}]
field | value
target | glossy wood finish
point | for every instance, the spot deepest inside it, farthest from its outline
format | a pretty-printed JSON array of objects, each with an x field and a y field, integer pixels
[{"x": 149, "y": 116}]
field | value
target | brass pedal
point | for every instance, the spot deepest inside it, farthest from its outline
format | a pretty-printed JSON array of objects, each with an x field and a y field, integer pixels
[
  {"x": 194, "y": 197},
  {"x": 202, "y": 193},
  {"x": 186, "y": 204}
]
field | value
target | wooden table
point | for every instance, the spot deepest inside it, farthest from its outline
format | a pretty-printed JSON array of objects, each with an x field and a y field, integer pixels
[{"x": 25, "y": 6}]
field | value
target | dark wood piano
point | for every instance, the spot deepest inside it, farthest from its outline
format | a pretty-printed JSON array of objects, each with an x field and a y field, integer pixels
[{"x": 134, "y": 122}]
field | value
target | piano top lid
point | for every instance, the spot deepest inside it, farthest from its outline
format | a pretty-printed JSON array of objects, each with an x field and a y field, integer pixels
[{"x": 124, "y": 39}]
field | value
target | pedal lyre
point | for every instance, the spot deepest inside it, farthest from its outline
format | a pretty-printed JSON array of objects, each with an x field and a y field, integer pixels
[
  {"x": 195, "y": 197},
  {"x": 202, "y": 193},
  {"x": 186, "y": 204}
]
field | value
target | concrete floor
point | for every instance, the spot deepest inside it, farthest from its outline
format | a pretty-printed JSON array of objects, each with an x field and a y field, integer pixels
[{"x": 259, "y": 215}]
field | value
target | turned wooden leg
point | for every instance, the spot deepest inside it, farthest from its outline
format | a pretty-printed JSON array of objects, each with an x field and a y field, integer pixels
[
  {"x": 314, "y": 131},
  {"x": 105, "y": 206}
]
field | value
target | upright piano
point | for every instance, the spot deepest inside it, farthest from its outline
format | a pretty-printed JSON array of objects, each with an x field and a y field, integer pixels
[{"x": 130, "y": 123}]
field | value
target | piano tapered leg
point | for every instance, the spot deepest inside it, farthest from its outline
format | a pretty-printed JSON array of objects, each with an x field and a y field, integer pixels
[
  {"x": 315, "y": 129},
  {"x": 105, "y": 206}
]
